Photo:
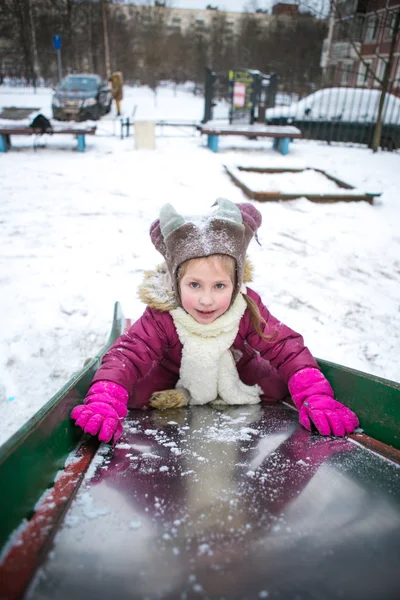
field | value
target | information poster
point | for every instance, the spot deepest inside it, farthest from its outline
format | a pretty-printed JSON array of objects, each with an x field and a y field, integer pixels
[
  {"x": 241, "y": 87},
  {"x": 239, "y": 94}
]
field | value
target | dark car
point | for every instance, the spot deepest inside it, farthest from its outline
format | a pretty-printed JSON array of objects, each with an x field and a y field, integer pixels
[{"x": 81, "y": 97}]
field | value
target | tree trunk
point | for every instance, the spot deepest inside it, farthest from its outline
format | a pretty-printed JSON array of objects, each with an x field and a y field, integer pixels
[
  {"x": 36, "y": 65},
  {"x": 106, "y": 44},
  {"x": 23, "y": 36},
  {"x": 376, "y": 140}
]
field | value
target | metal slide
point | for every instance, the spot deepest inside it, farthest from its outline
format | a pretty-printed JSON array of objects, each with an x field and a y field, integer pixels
[{"x": 235, "y": 503}]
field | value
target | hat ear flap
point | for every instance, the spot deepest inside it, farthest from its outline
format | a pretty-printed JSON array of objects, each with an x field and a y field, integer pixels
[
  {"x": 251, "y": 216},
  {"x": 157, "y": 238}
]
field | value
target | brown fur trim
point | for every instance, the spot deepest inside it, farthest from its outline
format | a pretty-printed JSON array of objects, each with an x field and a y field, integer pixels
[
  {"x": 154, "y": 291},
  {"x": 248, "y": 271},
  {"x": 169, "y": 399}
]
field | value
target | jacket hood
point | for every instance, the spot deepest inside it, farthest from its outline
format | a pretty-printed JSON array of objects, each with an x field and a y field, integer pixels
[{"x": 156, "y": 289}]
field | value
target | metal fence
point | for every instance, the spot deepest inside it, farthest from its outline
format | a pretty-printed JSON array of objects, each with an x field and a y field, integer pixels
[{"x": 343, "y": 109}]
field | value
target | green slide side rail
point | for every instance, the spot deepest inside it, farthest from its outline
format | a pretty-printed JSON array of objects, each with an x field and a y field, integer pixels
[
  {"x": 31, "y": 458},
  {"x": 375, "y": 400}
]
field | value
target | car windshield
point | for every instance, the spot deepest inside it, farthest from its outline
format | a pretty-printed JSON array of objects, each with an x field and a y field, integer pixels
[{"x": 81, "y": 84}]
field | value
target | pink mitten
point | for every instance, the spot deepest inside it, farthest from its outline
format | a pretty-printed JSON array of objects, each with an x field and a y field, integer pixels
[
  {"x": 313, "y": 397},
  {"x": 104, "y": 408}
]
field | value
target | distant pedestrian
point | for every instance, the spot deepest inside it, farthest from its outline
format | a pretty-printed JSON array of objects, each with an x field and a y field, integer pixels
[{"x": 117, "y": 83}]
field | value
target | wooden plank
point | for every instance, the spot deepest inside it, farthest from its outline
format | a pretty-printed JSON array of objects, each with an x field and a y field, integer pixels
[
  {"x": 271, "y": 196},
  {"x": 278, "y": 131},
  {"x": 35, "y": 131}
]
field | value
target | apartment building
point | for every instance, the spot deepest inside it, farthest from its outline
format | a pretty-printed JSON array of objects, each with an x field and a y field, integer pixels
[
  {"x": 185, "y": 19},
  {"x": 362, "y": 28}
]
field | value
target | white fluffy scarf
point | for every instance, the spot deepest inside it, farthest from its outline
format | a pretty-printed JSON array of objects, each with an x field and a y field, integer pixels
[{"x": 208, "y": 369}]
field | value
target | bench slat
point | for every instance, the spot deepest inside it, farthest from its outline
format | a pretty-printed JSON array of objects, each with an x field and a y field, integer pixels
[
  {"x": 35, "y": 131},
  {"x": 275, "y": 131},
  {"x": 7, "y": 132}
]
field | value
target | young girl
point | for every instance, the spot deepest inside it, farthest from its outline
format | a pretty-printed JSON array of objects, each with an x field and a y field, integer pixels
[{"x": 205, "y": 337}]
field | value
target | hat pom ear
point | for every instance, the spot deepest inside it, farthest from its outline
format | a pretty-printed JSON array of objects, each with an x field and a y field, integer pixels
[
  {"x": 169, "y": 220},
  {"x": 250, "y": 215}
]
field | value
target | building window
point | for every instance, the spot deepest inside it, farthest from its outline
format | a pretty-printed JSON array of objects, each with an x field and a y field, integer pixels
[
  {"x": 389, "y": 25},
  {"x": 371, "y": 32},
  {"x": 363, "y": 73},
  {"x": 347, "y": 69},
  {"x": 380, "y": 69},
  {"x": 396, "y": 82}
]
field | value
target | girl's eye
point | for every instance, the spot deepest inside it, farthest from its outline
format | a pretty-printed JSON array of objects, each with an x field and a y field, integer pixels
[
  {"x": 194, "y": 285},
  {"x": 220, "y": 286}
]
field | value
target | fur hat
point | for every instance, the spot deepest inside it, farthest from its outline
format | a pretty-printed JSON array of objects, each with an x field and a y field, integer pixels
[{"x": 228, "y": 230}]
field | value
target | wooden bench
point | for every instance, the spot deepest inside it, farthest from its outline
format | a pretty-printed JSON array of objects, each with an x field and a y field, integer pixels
[
  {"x": 7, "y": 131},
  {"x": 281, "y": 134}
]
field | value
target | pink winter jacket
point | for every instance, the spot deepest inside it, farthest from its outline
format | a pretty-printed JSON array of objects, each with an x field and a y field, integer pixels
[{"x": 147, "y": 358}]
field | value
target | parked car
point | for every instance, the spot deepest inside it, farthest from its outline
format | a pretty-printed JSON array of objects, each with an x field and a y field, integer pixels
[
  {"x": 81, "y": 97},
  {"x": 342, "y": 115}
]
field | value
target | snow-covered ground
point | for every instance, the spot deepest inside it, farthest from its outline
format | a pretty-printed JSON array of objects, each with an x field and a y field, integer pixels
[{"x": 74, "y": 239}]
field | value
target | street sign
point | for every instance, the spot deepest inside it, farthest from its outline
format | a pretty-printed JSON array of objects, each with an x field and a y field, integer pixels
[
  {"x": 57, "y": 46},
  {"x": 57, "y": 42}
]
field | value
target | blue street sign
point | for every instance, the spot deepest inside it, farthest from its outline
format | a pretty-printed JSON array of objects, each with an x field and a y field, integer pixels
[{"x": 57, "y": 42}]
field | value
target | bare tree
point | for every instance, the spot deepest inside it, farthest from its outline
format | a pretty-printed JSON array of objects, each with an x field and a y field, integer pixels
[
  {"x": 249, "y": 38},
  {"x": 353, "y": 28},
  {"x": 218, "y": 38},
  {"x": 147, "y": 45},
  {"x": 376, "y": 140},
  {"x": 19, "y": 21},
  {"x": 153, "y": 40},
  {"x": 197, "y": 37},
  {"x": 177, "y": 50}
]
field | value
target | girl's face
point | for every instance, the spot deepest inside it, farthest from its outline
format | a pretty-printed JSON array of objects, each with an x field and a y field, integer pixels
[{"x": 206, "y": 288}]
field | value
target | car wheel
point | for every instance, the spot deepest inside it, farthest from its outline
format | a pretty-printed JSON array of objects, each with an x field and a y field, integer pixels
[{"x": 108, "y": 108}]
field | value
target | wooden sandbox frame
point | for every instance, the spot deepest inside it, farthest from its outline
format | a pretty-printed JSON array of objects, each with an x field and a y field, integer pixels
[{"x": 276, "y": 195}]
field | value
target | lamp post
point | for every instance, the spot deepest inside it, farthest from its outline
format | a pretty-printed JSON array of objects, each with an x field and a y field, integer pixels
[
  {"x": 36, "y": 66},
  {"x": 329, "y": 40},
  {"x": 106, "y": 45}
]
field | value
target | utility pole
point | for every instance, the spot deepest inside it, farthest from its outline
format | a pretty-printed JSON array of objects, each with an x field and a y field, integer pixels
[
  {"x": 106, "y": 45},
  {"x": 36, "y": 66},
  {"x": 329, "y": 39}
]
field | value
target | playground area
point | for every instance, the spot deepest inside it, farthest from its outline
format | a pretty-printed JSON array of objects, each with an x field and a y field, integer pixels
[{"x": 75, "y": 239}]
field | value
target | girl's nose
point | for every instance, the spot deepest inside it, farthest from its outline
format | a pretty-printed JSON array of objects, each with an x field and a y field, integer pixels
[{"x": 206, "y": 299}]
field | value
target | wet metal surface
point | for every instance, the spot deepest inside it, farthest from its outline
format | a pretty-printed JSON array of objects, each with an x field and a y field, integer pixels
[{"x": 236, "y": 504}]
